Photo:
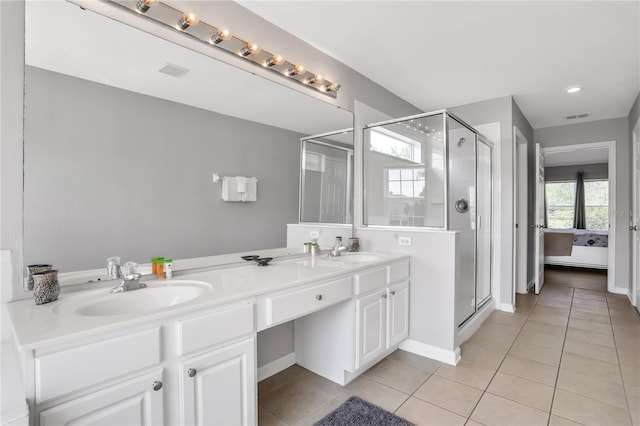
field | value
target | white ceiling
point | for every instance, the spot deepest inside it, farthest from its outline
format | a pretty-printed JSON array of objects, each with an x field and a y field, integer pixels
[
  {"x": 115, "y": 54},
  {"x": 448, "y": 53},
  {"x": 576, "y": 157}
]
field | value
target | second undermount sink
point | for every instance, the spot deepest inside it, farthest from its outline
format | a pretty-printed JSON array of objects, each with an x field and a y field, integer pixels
[
  {"x": 157, "y": 295},
  {"x": 357, "y": 257}
]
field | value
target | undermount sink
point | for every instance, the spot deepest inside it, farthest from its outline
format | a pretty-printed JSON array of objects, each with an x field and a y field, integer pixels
[
  {"x": 155, "y": 296},
  {"x": 356, "y": 257}
]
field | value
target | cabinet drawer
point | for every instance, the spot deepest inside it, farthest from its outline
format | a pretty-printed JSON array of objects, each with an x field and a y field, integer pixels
[
  {"x": 296, "y": 303},
  {"x": 73, "y": 369},
  {"x": 370, "y": 280},
  {"x": 398, "y": 271},
  {"x": 215, "y": 327}
]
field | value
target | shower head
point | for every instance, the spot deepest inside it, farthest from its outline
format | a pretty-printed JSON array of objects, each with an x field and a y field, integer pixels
[{"x": 461, "y": 141}]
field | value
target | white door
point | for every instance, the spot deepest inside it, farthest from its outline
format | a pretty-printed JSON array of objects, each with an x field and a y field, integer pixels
[
  {"x": 370, "y": 326},
  {"x": 219, "y": 387},
  {"x": 635, "y": 223},
  {"x": 135, "y": 402},
  {"x": 397, "y": 313},
  {"x": 539, "y": 225}
]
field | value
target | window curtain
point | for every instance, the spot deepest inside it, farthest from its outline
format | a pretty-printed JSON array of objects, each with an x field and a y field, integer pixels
[{"x": 580, "y": 217}]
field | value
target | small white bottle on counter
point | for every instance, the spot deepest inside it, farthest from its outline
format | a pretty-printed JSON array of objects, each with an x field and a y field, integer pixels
[{"x": 168, "y": 268}]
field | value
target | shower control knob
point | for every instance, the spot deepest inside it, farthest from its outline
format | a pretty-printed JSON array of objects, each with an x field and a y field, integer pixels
[
  {"x": 192, "y": 372},
  {"x": 157, "y": 385}
]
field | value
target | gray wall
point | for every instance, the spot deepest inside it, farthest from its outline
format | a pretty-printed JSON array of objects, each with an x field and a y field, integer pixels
[
  {"x": 563, "y": 173},
  {"x": 112, "y": 172},
  {"x": 615, "y": 129}
]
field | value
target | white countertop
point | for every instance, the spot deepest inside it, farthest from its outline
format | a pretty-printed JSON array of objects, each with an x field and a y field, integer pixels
[{"x": 39, "y": 326}]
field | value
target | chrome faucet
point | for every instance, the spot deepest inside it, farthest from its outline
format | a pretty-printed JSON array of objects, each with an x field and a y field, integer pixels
[
  {"x": 338, "y": 248},
  {"x": 129, "y": 282}
]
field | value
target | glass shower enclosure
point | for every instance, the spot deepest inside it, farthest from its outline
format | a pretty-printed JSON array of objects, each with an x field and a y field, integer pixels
[{"x": 435, "y": 171}]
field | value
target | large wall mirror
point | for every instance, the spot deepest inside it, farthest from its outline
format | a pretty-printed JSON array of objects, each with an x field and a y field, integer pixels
[
  {"x": 123, "y": 132},
  {"x": 326, "y": 178}
]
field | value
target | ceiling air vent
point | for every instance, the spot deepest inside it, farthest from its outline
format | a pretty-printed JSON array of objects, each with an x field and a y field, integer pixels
[
  {"x": 173, "y": 70},
  {"x": 574, "y": 116}
]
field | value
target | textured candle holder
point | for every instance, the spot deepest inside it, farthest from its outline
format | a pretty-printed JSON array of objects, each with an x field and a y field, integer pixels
[
  {"x": 46, "y": 287},
  {"x": 35, "y": 269}
]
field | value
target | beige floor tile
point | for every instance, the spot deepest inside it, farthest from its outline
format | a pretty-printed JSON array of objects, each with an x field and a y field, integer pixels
[
  {"x": 592, "y": 366},
  {"x": 308, "y": 378},
  {"x": 416, "y": 361},
  {"x": 630, "y": 375},
  {"x": 467, "y": 373},
  {"x": 590, "y": 326},
  {"x": 421, "y": 413},
  {"x": 481, "y": 356},
  {"x": 549, "y": 319},
  {"x": 590, "y": 310},
  {"x": 491, "y": 342},
  {"x": 561, "y": 421},
  {"x": 517, "y": 389},
  {"x": 506, "y": 318},
  {"x": 320, "y": 413},
  {"x": 549, "y": 310},
  {"x": 265, "y": 418},
  {"x": 507, "y": 332},
  {"x": 294, "y": 401},
  {"x": 277, "y": 380},
  {"x": 588, "y": 411},
  {"x": 586, "y": 316},
  {"x": 536, "y": 353},
  {"x": 397, "y": 375},
  {"x": 546, "y": 329},
  {"x": 472, "y": 423},
  {"x": 590, "y": 303},
  {"x": 626, "y": 343},
  {"x": 551, "y": 342},
  {"x": 590, "y": 337},
  {"x": 580, "y": 293},
  {"x": 373, "y": 392},
  {"x": 495, "y": 410},
  {"x": 602, "y": 353},
  {"x": 629, "y": 359},
  {"x": 633, "y": 398},
  {"x": 450, "y": 395},
  {"x": 529, "y": 369},
  {"x": 592, "y": 387}
]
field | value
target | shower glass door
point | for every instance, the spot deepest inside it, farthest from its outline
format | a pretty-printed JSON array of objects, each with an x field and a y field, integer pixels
[{"x": 483, "y": 221}]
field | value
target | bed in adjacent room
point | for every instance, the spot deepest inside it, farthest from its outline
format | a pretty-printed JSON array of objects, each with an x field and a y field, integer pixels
[{"x": 584, "y": 248}]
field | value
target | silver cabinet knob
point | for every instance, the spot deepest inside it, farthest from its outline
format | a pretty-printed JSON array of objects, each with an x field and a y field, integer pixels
[
  {"x": 384, "y": 296},
  {"x": 318, "y": 297},
  {"x": 393, "y": 293},
  {"x": 191, "y": 372},
  {"x": 157, "y": 385},
  {"x": 633, "y": 227}
]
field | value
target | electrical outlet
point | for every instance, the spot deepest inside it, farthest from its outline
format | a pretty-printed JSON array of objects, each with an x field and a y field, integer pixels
[
  {"x": 404, "y": 241},
  {"x": 313, "y": 234}
]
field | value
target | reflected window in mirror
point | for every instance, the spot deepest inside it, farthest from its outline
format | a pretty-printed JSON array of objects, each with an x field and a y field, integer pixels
[
  {"x": 404, "y": 173},
  {"x": 326, "y": 178}
]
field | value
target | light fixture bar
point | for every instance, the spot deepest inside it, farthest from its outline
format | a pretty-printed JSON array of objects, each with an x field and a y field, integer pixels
[{"x": 187, "y": 23}]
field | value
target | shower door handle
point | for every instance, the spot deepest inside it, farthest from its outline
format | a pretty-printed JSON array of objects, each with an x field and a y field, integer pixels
[{"x": 461, "y": 205}]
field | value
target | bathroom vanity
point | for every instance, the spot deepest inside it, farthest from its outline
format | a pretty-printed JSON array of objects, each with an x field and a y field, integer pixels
[{"x": 183, "y": 351}]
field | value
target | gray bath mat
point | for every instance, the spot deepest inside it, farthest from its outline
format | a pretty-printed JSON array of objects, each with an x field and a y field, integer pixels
[{"x": 356, "y": 412}]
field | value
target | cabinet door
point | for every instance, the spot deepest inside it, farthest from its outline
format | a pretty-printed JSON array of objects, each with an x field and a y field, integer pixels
[
  {"x": 370, "y": 327},
  {"x": 397, "y": 313},
  {"x": 130, "y": 403},
  {"x": 219, "y": 387}
]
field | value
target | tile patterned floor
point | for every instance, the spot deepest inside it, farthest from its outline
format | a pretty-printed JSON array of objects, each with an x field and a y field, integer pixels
[{"x": 569, "y": 356}]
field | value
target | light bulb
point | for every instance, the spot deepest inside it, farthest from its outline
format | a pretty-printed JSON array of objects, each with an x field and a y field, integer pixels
[
  {"x": 316, "y": 78},
  {"x": 220, "y": 36},
  {"x": 275, "y": 60},
  {"x": 144, "y": 5},
  {"x": 298, "y": 69},
  {"x": 249, "y": 49},
  {"x": 188, "y": 19},
  {"x": 332, "y": 87}
]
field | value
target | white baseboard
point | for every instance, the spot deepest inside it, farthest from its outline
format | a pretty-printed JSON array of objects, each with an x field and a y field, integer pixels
[
  {"x": 433, "y": 352},
  {"x": 276, "y": 366},
  {"x": 507, "y": 307},
  {"x": 620, "y": 290}
]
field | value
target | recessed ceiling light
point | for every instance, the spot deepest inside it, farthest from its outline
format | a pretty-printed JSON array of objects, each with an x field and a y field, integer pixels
[{"x": 573, "y": 89}]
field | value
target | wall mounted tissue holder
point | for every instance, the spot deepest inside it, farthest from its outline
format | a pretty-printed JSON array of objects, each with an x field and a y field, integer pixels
[{"x": 238, "y": 188}]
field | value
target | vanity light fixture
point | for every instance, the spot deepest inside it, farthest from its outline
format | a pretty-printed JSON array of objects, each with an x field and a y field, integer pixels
[
  {"x": 297, "y": 69},
  {"x": 144, "y": 5},
  {"x": 249, "y": 49},
  {"x": 316, "y": 78},
  {"x": 213, "y": 36},
  {"x": 220, "y": 36},
  {"x": 188, "y": 20},
  {"x": 274, "y": 60}
]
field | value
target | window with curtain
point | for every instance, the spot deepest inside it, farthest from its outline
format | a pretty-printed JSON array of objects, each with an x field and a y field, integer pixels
[
  {"x": 560, "y": 204},
  {"x": 597, "y": 203}
]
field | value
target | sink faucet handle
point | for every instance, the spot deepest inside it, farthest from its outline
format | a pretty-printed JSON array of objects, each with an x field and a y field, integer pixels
[
  {"x": 338, "y": 242},
  {"x": 113, "y": 268},
  {"x": 130, "y": 268}
]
